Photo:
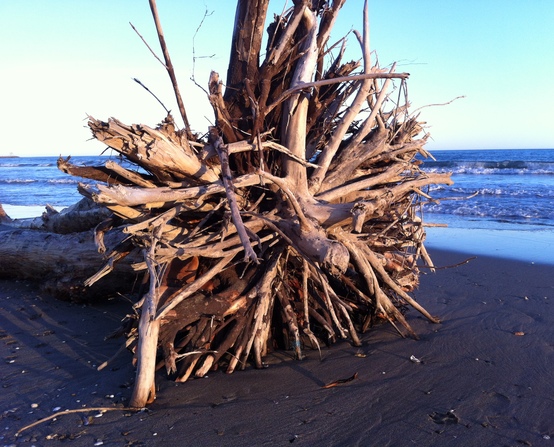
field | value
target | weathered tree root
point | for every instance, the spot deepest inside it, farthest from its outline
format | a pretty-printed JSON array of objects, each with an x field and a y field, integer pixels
[{"x": 294, "y": 224}]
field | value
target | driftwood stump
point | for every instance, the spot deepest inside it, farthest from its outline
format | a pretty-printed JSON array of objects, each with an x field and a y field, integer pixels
[{"x": 294, "y": 221}]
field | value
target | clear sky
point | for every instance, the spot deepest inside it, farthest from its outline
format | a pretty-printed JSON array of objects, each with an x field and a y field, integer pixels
[{"x": 61, "y": 60}]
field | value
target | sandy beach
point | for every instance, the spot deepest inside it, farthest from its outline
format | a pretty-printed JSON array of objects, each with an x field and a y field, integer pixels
[{"x": 483, "y": 376}]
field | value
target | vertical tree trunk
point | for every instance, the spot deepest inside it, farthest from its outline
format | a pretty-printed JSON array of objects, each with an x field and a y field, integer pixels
[{"x": 144, "y": 391}]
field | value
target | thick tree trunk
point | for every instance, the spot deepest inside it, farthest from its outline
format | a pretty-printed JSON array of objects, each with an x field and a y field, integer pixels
[{"x": 62, "y": 262}]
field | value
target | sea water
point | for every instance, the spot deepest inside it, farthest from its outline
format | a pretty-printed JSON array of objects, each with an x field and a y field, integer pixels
[
  {"x": 501, "y": 202},
  {"x": 28, "y": 183},
  {"x": 497, "y": 189}
]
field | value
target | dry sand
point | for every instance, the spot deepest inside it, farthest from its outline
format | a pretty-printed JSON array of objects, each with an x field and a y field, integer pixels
[{"x": 486, "y": 376}]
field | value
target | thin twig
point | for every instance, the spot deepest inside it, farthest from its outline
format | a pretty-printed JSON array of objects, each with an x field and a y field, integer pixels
[
  {"x": 76, "y": 410},
  {"x": 287, "y": 93},
  {"x": 150, "y": 91},
  {"x": 169, "y": 67},
  {"x": 439, "y": 104},
  {"x": 148, "y": 46},
  {"x": 466, "y": 261},
  {"x": 194, "y": 57}
]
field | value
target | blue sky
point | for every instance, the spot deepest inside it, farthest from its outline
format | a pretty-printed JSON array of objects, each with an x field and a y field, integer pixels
[{"x": 63, "y": 59}]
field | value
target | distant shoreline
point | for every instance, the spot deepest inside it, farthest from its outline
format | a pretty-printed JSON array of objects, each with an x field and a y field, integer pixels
[{"x": 9, "y": 156}]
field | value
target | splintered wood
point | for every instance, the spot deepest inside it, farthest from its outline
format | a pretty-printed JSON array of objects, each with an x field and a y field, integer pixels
[{"x": 294, "y": 221}]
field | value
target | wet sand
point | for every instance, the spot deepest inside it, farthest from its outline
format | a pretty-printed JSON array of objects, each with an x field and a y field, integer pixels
[{"x": 485, "y": 376}]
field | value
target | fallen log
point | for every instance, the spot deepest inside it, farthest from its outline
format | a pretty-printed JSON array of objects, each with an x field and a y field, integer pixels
[
  {"x": 61, "y": 262},
  {"x": 82, "y": 216}
]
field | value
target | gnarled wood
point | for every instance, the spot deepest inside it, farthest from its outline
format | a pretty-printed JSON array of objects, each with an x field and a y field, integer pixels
[{"x": 295, "y": 221}]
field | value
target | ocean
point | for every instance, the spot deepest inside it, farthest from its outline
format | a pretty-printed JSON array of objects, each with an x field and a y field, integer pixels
[
  {"x": 501, "y": 203},
  {"x": 509, "y": 189},
  {"x": 505, "y": 196}
]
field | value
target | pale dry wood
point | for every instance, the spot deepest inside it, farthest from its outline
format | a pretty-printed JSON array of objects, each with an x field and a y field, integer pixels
[
  {"x": 133, "y": 177},
  {"x": 329, "y": 305},
  {"x": 134, "y": 196},
  {"x": 327, "y": 22},
  {"x": 330, "y": 150},
  {"x": 390, "y": 176},
  {"x": 290, "y": 320},
  {"x": 382, "y": 302},
  {"x": 246, "y": 146},
  {"x": 223, "y": 118},
  {"x": 308, "y": 164},
  {"x": 98, "y": 173},
  {"x": 377, "y": 266},
  {"x": 335, "y": 80},
  {"x": 403, "y": 189},
  {"x": 76, "y": 218},
  {"x": 351, "y": 153},
  {"x": 144, "y": 390},
  {"x": 295, "y": 110},
  {"x": 61, "y": 262},
  {"x": 153, "y": 149},
  {"x": 265, "y": 296},
  {"x": 278, "y": 51},
  {"x": 220, "y": 250}
]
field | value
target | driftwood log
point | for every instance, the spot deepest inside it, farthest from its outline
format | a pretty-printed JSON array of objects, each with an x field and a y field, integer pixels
[
  {"x": 294, "y": 221},
  {"x": 60, "y": 251}
]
